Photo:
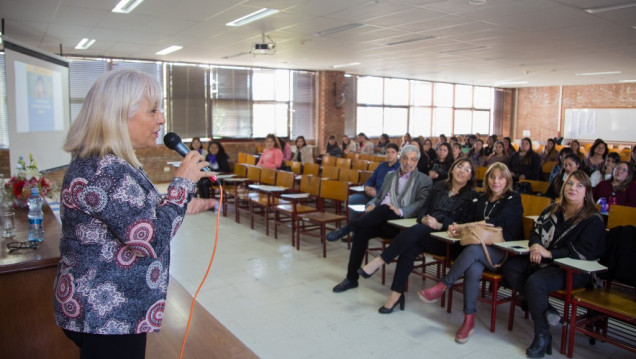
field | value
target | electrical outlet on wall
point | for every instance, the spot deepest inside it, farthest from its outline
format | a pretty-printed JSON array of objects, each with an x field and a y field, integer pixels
[{"x": 166, "y": 169}]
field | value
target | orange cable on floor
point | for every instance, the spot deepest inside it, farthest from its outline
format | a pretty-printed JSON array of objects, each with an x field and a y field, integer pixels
[{"x": 194, "y": 299}]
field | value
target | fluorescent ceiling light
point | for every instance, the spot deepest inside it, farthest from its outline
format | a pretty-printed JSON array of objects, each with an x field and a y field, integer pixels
[
  {"x": 609, "y": 8},
  {"x": 345, "y": 65},
  {"x": 338, "y": 29},
  {"x": 84, "y": 44},
  {"x": 169, "y": 50},
  {"x": 599, "y": 73},
  {"x": 459, "y": 50},
  {"x": 510, "y": 83},
  {"x": 411, "y": 40},
  {"x": 126, "y": 6},
  {"x": 256, "y": 15},
  {"x": 627, "y": 81}
]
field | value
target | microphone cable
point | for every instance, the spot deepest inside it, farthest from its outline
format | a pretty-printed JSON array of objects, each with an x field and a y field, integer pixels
[{"x": 194, "y": 298}]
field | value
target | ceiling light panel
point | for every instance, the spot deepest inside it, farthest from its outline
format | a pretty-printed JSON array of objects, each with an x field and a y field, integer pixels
[
  {"x": 84, "y": 44},
  {"x": 335, "y": 30},
  {"x": 254, "y": 16},
  {"x": 597, "y": 10},
  {"x": 169, "y": 50},
  {"x": 126, "y": 6}
]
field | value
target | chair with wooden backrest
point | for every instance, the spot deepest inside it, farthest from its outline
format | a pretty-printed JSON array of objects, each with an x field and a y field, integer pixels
[
  {"x": 329, "y": 160},
  {"x": 239, "y": 190},
  {"x": 311, "y": 169},
  {"x": 625, "y": 154},
  {"x": 250, "y": 160},
  {"x": 330, "y": 172},
  {"x": 286, "y": 213},
  {"x": 308, "y": 223},
  {"x": 263, "y": 203},
  {"x": 361, "y": 165},
  {"x": 364, "y": 177},
  {"x": 296, "y": 167},
  {"x": 351, "y": 176},
  {"x": 267, "y": 177},
  {"x": 537, "y": 186},
  {"x": 480, "y": 172},
  {"x": 352, "y": 155},
  {"x": 547, "y": 167},
  {"x": 242, "y": 157},
  {"x": 260, "y": 149},
  {"x": 373, "y": 165},
  {"x": 621, "y": 216},
  {"x": 532, "y": 206},
  {"x": 379, "y": 158},
  {"x": 343, "y": 163},
  {"x": 229, "y": 190},
  {"x": 367, "y": 157}
]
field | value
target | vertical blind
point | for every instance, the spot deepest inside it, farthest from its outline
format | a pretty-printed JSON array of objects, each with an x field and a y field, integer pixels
[{"x": 4, "y": 116}]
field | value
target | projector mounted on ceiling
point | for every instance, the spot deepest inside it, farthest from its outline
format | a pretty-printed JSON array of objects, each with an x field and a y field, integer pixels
[{"x": 264, "y": 47}]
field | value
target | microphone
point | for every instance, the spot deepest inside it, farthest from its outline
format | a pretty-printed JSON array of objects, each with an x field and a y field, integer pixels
[{"x": 173, "y": 142}]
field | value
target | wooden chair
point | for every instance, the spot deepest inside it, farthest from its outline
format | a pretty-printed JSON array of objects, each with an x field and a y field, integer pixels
[
  {"x": 364, "y": 177},
  {"x": 309, "y": 223},
  {"x": 343, "y": 163},
  {"x": 311, "y": 169},
  {"x": 296, "y": 167},
  {"x": 352, "y": 156},
  {"x": 378, "y": 159},
  {"x": 287, "y": 213},
  {"x": 373, "y": 165},
  {"x": 242, "y": 157},
  {"x": 361, "y": 165},
  {"x": 367, "y": 157},
  {"x": 532, "y": 206},
  {"x": 267, "y": 177},
  {"x": 329, "y": 172},
  {"x": 351, "y": 176},
  {"x": 621, "y": 216},
  {"x": 239, "y": 190},
  {"x": 329, "y": 160},
  {"x": 250, "y": 160},
  {"x": 537, "y": 186},
  {"x": 260, "y": 149},
  {"x": 480, "y": 173},
  {"x": 240, "y": 170},
  {"x": 547, "y": 167},
  {"x": 263, "y": 203}
]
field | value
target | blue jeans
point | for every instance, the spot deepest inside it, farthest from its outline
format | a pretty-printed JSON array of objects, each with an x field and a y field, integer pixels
[{"x": 471, "y": 263}]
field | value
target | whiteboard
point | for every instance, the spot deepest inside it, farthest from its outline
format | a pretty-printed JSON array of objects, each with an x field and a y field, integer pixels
[{"x": 610, "y": 124}]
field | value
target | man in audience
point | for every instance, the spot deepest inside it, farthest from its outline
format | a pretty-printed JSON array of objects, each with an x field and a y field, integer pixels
[
  {"x": 371, "y": 187},
  {"x": 401, "y": 196}
]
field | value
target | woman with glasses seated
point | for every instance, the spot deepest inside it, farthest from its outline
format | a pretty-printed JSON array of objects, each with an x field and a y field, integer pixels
[
  {"x": 501, "y": 207},
  {"x": 620, "y": 189},
  {"x": 449, "y": 201},
  {"x": 112, "y": 277},
  {"x": 569, "y": 228}
]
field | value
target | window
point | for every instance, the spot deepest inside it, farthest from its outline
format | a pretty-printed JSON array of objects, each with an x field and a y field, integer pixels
[{"x": 4, "y": 116}]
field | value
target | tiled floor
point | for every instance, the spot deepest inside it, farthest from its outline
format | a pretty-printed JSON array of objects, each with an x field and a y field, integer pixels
[{"x": 279, "y": 302}]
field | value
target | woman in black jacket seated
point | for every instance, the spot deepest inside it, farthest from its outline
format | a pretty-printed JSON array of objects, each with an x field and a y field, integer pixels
[
  {"x": 525, "y": 164},
  {"x": 449, "y": 201},
  {"x": 571, "y": 228},
  {"x": 218, "y": 163},
  {"x": 439, "y": 167},
  {"x": 501, "y": 207}
]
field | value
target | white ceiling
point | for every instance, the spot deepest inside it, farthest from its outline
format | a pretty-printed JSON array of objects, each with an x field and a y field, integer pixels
[{"x": 543, "y": 42}]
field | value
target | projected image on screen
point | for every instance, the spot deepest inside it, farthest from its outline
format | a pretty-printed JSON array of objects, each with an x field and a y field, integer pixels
[{"x": 37, "y": 93}]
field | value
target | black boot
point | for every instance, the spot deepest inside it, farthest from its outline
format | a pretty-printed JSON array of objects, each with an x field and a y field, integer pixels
[{"x": 541, "y": 345}]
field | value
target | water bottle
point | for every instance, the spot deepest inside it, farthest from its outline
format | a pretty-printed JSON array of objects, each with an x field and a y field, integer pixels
[
  {"x": 611, "y": 200},
  {"x": 36, "y": 229},
  {"x": 603, "y": 203}
]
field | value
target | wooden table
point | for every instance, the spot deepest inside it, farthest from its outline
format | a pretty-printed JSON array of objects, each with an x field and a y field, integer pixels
[{"x": 28, "y": 327}]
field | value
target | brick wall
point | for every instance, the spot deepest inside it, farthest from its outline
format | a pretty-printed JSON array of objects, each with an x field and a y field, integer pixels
[{"x": 331, "y": 119}]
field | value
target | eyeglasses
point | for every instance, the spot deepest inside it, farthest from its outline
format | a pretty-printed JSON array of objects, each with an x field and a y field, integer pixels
[
  {"x": 14, "y": 246},
  {"x": 621, "y": 170},
  {"x": 464, "y": 169}
]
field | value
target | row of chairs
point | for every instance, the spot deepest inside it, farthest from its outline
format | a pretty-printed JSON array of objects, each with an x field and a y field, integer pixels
[{"x": 353, "y": 163}]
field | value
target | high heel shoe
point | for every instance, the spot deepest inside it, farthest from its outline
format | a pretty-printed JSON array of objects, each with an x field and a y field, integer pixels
[
  {"x": 541, "y": 345},
  {"x": 364, "y": 274},
  {"x": 401, "y": 302}
]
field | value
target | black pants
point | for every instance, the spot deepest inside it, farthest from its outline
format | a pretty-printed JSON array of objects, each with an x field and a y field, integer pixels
[
  {"x": 96, "y": 346},
  {"x": 204, "y": 187},
  {"x": 407, "y": 246},
  {"x": 536, "y": 283},
  {"x": 371, "y": 224}
]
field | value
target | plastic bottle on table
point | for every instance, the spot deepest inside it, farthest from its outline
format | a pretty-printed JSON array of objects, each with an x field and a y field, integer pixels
[{"x": 36, "y": 228}]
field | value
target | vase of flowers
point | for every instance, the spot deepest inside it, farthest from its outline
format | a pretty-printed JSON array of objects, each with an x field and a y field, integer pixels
[{"x": 18, "y": 188}]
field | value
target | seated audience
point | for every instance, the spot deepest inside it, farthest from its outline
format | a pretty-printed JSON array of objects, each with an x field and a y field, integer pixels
[
  {"x": 401, "y": 196},
  {"x": 406, "y": 140},
  {"x": 365, "y": 146},
  {"x": 303, "y": 152},
  {"x": 218, "y": 158},
  {"x": 272, "y": 156},
  {"x": 457, "y": 150},
  {"x": 428, "y": 155},
  {"x": 382, "y": 142},
  {"x": 605, "y": 172},
  {"x": 333, "y": 148},
  {"x": 557, "y": 168},
  {"x": 632, "y": 159},
  {"x": 490, "y": 144},
  {"x": 571, "y": 164},
  {"x": 570, "y": 228},
  {"x": 477, "y": 154},
  {"x": 595, "y": 159},
  {"x": 620, "y": 189},
  {"x": 441, "y": 139},
  {"x": 348, "y": 146},
  {"x": 525, "y": 164},
  {"x": 549, "y": 153},
  {"x": 450, "y": 201},
  {"x": 498, "y": 154},
  {"x": 285, "y": 148},
  {"x": 440, "y": 166},
  {"x": 501, "y": 207},
  {"x": 576, "y": 149},
  {"x": 196, "y": 145},
  {"x": 510, "y": 149}
]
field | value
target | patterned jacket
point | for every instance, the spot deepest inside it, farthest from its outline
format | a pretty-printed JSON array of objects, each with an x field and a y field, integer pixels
[{"x": 115, "y": 248}]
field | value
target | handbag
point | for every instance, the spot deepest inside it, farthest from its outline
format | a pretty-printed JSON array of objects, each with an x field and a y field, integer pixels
[{"x": 481, "y": 233}]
